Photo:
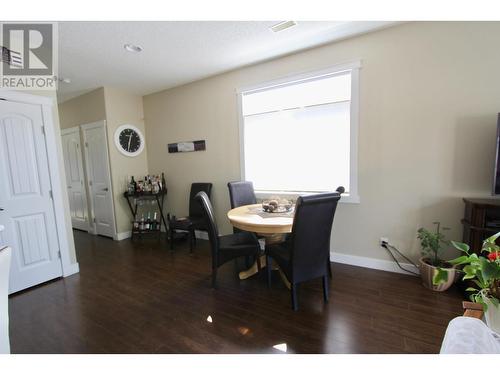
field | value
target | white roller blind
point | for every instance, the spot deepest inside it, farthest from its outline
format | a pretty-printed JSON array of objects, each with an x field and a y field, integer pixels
[
  {"x": 297, "y": 135},
  {"x": 319, "y": 90}
]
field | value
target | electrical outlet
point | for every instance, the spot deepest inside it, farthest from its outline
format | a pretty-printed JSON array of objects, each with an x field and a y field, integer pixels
[{"x": 383, "y": 240}]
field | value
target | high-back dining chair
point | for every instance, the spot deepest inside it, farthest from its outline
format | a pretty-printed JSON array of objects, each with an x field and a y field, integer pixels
[
  {"x": 195, "y": 210},
  {"x": 229, "y": 247},
  {"x": 195, "y": 220},
  {"x": 5, "y": 255},
  {"x": 340, "y": 190},
  {"x": 241, "y": 193},
  {"x": 305, "y": 254}
]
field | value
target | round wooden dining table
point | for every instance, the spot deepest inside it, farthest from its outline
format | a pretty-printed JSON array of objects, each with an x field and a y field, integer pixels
[{"x": 272, "y": 227}]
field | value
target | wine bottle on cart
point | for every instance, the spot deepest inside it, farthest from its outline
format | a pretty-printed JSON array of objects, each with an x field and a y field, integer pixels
[
  {"x": 163, "y": 183},
  {"x": 155, "y": 222},
  {"x": 132, "y": 188}
]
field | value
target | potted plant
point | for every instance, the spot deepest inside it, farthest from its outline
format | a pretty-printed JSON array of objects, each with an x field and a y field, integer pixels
[
  {"x": 484, "y": 271},
  {"x": 431, "y": 263}
]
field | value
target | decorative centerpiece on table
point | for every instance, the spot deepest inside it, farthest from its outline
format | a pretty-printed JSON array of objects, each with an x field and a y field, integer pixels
[{"x": 277, "y": 205}]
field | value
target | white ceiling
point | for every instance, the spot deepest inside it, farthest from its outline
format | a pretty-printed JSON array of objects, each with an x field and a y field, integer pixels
[{"x": 91, "y": 54}]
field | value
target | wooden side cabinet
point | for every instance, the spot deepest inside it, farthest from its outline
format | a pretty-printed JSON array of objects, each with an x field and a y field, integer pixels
[{"x": 481, "y": 220}]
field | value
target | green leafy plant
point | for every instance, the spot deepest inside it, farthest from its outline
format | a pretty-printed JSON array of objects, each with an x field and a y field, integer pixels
[
  {"x": 432, "y": 244},
  {"x": 484, "y": 271}
]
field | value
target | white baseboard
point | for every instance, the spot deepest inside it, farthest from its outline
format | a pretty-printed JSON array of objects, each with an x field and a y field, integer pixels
[
  {"x": 377, "y": 264},
  {"x": 71, "y": 269},
  {"x": 353, "y": 260},
  {"x": 123, "y": 235},
  {"x": 201, "y": 235}
]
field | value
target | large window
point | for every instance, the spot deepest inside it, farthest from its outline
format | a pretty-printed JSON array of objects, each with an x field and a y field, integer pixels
[{"x": 299, "y": 135}]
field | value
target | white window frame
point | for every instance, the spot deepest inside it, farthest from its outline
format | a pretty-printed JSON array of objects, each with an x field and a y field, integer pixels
[{"x": 353, "y": 67}]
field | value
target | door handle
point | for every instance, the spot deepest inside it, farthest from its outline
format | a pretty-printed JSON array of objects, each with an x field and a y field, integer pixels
[
  {"x": 1, "y": 209},
  {"x": 105, "y": 189},
  {"x": 69, "y": 187}
]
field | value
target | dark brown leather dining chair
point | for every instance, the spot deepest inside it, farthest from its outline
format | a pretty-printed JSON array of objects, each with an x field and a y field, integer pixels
[
  {"x": 195, "y": 220},
  {"x": 305, "y": 253},
  {"x": 225, "y": 248}
]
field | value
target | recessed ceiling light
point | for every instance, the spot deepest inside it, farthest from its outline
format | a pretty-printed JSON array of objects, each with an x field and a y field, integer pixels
[
  {"x": 132, "y": 48},
  {"x": 283, "y": 26}
]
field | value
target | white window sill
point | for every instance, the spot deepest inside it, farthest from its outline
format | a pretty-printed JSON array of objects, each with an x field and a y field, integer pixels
[
  {"x": 346, "y": 198},
  {"x": 262, "y": 194}
]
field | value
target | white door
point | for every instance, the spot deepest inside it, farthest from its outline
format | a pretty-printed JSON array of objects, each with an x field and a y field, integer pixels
[
  {"x": 99, "y": 180},
  {"x": 75, "y": 180},
  {"x": 27, "y": 210}
]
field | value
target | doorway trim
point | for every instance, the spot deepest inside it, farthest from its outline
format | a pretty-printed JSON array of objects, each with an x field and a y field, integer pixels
[
  {"x": 92, "y": 225},
  {"x": 66, "y": 131},
  {"x": 54, "y": 150}
]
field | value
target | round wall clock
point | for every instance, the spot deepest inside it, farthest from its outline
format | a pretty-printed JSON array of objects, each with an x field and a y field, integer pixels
[{"x": 129, "y": 140}]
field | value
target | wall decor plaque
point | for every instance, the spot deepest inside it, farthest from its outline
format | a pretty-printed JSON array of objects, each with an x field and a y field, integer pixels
[{"x": 187, "y": 146}]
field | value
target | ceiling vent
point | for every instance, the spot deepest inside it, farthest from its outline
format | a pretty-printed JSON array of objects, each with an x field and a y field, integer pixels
[{"x": 283, "y": 26}]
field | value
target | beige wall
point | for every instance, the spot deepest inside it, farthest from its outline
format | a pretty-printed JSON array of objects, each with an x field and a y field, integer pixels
[
  {"x": 430, "y": 94},
  {"x": 116, "y": 107},
  {"x": 83, "y": 109},
  {"x": 123, "y": 108}
]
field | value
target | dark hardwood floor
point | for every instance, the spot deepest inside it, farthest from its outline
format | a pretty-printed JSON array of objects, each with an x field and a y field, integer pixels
[{"x": 138, "y": 297}]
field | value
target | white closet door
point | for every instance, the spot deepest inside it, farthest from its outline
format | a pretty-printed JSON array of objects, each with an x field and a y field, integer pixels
[
  {"x": 74, "y": 178},
  {"x": 99, "y": 180},
  {"x": 27, "y": 210}
]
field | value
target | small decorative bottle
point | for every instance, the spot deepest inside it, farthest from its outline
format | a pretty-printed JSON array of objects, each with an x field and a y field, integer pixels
[
  {"x": 132, "y": 186},
  {"x": 141, "y": 225}
]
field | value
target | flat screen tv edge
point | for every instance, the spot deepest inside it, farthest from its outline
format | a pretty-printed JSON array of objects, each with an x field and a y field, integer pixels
[{"x": 496, "y": 172}]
